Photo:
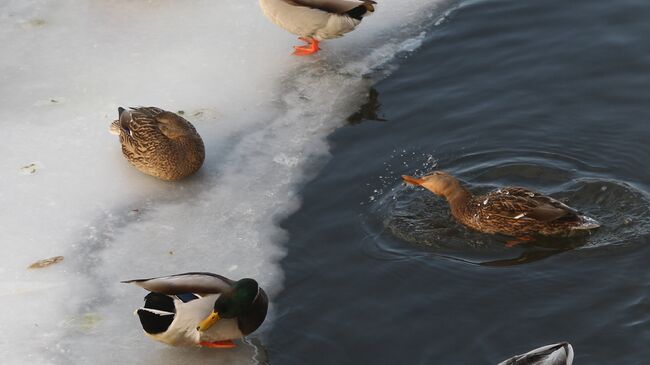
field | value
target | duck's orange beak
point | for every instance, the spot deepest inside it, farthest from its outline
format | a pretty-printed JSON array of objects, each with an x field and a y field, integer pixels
[{"x": 412, "y": 180}]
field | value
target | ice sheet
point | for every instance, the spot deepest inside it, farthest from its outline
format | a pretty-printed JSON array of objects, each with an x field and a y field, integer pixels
[{"x": 65, "y": 189}]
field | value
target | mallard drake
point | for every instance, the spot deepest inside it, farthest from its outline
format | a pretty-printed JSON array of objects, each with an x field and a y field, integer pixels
[
  {"x": 315, "y": 20},
  {"x": 159, "y": 143},
  {"x": 200, "y": 309},
  {"x": 510, "y": 211},
  {"x": 556, "y": 354}
]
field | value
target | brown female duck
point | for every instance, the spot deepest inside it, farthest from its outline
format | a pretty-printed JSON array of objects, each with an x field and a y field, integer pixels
[
  {"x": 511, "y": 211},
  {"x": 159, "y": 143}
]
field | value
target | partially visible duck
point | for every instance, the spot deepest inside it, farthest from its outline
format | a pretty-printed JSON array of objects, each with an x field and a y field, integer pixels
[
  {"x": 159, "y": 143},
  {"x": 201, "y": 309},
  {"x": 556, "y": 354},
  {"x": 315, "y": 20},
  {"x": 510, "y": 211}
]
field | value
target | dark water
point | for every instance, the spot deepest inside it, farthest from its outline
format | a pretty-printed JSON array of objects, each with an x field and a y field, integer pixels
[{"x": 552, "y": 95}]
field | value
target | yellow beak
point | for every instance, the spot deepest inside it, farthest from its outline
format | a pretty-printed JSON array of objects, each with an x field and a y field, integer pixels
[{"x": 208, "y": 322}]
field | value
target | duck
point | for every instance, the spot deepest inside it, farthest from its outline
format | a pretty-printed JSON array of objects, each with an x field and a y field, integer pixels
[
  {"x": 511, "y": 211},
  {"x": 316, "y": 20},
  {"x": 158, "y": 142},
  {"x": 556, "y": 354},
  {"x": 200, "y": 309}
]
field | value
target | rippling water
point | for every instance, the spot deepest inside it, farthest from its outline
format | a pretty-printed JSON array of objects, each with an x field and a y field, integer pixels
[{"x": 549, "y": 95}]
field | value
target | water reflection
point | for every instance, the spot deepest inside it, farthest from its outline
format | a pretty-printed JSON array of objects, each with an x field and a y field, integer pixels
[
  {"x": 526, "y": 257},
  {"x": 248, "y": 351},
  {"x": 369, "y": 110}
]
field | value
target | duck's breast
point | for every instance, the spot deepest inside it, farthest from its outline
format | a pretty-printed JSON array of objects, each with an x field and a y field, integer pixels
[
  {"x": 337, "y": 25},
  {"x": 305, "y": 21},
  {"x": 182, "y": 331},
  {"x": 224, "y": 329}
]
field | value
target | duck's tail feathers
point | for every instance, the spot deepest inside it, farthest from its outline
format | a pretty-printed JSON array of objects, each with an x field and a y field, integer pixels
[
  {"x": 363, "y": 10},
  {"x": 586, "y": 223}
]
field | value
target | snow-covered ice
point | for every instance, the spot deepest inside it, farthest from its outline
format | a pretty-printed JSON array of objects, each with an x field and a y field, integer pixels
[{"x": 65, "y": 189}]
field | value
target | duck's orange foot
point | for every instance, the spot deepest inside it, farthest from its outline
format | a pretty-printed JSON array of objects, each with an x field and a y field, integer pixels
[
  {"x": 518, "y": 241},
  {"x": 227, "y": 344},
  {"x": 310, "y": 48}
]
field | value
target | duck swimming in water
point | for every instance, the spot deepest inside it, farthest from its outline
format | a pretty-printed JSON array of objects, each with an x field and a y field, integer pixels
[
  {"x": 315, "y": 20},
  {"x": 556, "y": 354},
  {"x": 201, "y": 309},
  {"x": 510, "y": 211},
  {"x": 159, "y": 143}
]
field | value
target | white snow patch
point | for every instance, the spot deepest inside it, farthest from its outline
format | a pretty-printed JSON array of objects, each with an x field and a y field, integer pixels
[{"x": 65, "y": 68}]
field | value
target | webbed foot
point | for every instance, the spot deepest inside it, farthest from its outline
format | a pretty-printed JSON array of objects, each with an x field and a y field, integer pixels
[{"x": 310, "y": 48}]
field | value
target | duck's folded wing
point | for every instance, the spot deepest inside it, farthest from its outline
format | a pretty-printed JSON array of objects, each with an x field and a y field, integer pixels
[
  {"x": 137, "y": 117},
  {"x": 330, "y": 6},
  {"x": 547, "y": 213},
  {"x": 518, "y": 203},
  {"x": 142, "y": 117},
  {"x": 194, "y": 282}
]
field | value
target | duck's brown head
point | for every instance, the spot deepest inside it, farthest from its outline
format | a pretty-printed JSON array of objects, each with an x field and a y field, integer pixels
[{"x": 438, "y": 182}]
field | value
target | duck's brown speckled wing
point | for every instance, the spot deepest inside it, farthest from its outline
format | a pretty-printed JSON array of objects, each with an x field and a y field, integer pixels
[
  {"x": 519, "y": 203},
  {"x": 133, "y": 121},
  {"x": 136, "y": 125},
  {"x": 141, "y": 117},
  {"x": 135, "y": 116}
]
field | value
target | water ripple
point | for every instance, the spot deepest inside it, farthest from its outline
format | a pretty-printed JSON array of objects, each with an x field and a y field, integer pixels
[{"x": 413, "y": 216}]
